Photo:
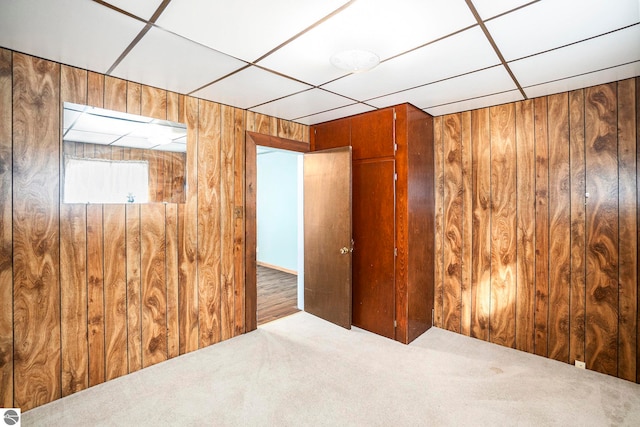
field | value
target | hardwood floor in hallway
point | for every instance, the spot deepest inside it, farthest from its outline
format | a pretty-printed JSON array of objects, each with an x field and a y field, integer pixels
[{"x": 277, "y": 294}]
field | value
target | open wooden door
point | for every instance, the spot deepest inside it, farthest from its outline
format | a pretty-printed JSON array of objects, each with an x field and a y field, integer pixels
[{"x": 327, "y": 235}]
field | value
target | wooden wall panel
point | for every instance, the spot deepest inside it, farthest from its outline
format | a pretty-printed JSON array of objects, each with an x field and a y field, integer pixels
[
  {"x": 36, "y": 240},
  {"x": 439, "y": 216},
  {"x": 525, "y": 248},
  {"x": 542, "y": 228},
  {"x": 209, "y": 222},
  {"x": 6, "y": 228},
  {"x": 95, "y": 294},
  {"x": 122, "y": 285},
  {"x": 452, "y": 219},
  {"x": 227, "y": 309},
  {"x": 602, "y": 228},
  {"x": 73, "y": 263},
  {"x": 481, "y": 227},
  {"x": 115, "y": 292},
  {"x": 467, "y": 226},
  {"x": 628, "y": 215},
  {"x": 153, "y": 281},
  {"x": 559, "y": 225},
  {"x": 503, "y": 225},
  {"x": 568, "y": 198}
]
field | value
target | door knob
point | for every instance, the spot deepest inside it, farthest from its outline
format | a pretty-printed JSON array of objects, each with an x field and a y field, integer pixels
[{"x": 344, "y": 250}]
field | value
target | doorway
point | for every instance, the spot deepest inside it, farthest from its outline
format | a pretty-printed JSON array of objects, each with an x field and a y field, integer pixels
[{"x": 280, "y": 247}]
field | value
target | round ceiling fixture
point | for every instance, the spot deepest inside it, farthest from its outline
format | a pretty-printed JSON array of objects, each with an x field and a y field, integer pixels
[{"x": 355, "y": 60}]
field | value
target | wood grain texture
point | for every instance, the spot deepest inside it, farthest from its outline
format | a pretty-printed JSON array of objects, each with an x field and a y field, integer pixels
[
  {"x": 153, "y": 282},
  {"x": 481, "y": 251},
  {"x": 503, "y": 225},
  {"x": 115, "y": 94},
  {"x": 577, "y": 165},
  {"x": 153, "y": 102},
  {"x": 628, "y": 230},
  {"x": 438, "y": 249},
  {"x": 95, "y": 89},
  {"x": 227, "y": 300},
  {"x": 525, "y": 193},
  {"x": 559, "y": 227},
  {"x": 542, "y": 227},
  {"x": 372, "y": 134},
  {"x": 6, "y": 228},
  {"x": 467, "y": 226},
  {"x": 402, "y": 141},
  {"x": 134, "y": 98},
  {"x": 36, "y": 240},
  {"x": 188, "y": 239},
  {"x": 602, "y": 229},
  {"x": 172, "y": 279},
  {"x": 638, "y": 222},
  {"x": 452, "y": 221},
  {"x": 238, "y": 222},
  {"x": 115, "y": 292},
  {"x": 95, "y": 294},
  {"x": 134, "y": 297},
  {"x": 251, "y": 232},
  {"x": 209, "y": 222}
]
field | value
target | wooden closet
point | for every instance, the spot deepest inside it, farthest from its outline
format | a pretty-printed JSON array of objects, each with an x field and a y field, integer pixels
[{"x": 393, "y": 216}]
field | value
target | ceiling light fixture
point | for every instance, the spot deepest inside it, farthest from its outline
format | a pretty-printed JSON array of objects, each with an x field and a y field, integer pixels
[{"x": 355, "y": 60}]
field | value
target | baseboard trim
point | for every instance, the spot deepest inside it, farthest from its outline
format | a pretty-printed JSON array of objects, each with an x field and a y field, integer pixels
[{"x": 277, "y": 267}]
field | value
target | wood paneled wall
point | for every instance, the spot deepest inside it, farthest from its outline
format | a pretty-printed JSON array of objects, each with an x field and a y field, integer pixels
[
  {"x": 166, "y": 168},
  {"x": 89, "y": 293},
  {"x": 537, "y": 226}
]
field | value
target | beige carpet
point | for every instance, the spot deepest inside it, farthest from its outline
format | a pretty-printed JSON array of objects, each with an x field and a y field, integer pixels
[{"x": 300, "y": 371}]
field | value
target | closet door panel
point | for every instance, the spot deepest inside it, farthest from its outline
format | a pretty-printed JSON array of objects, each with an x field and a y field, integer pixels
[{"x": 372, "y": 135}]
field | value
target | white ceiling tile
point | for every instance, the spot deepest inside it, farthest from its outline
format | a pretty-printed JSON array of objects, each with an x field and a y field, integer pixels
[
  {"x": 90, "y": 137},
  {"x": 74, "y": 32},
  {"x": 245, "y": 29},
  {"x": 481, "y": 83},
  {"x": 472, "y": 104},
  {"x": 380, "y": 26},
  {"x": 164, "y": 60},
  {"x": 606, "y": 51},
  {"x": 550, "y": 24},
  {"x": 585, "y": 80},
  {"x": 249, "y": 87},
  {"x": 462, "y": 53},
  {"x": 133, "y": 142},
  {"x": 174, "y": 147},
  {"x": 490, "y": 8},
  {"x": 338, "y": 113},
  {"x": 141, "y": 8},
  {"x": 303, "y": 104}
]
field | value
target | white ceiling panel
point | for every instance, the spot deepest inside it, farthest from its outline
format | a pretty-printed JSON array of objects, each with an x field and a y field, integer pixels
[
  {"x": 74, "y": 32},
  {"x": 602, "y": 52},
  {"x": 585, "y": 80},
  {"x": 249, "y": 87},
  {"x": 462, "y": 53},
  {"x": 490, "y": 8},
  {"x": 550, "y": 24},
  {"x": 141, "y": 8},
  {"x": 380, "y": 26},
  {"x": 349, "y": 110},
  {"x": 90, "y": 137},
  {"x": 303, "y": 104},
  {"x": 245, "y": 29},
  {"x": 133, "y": 142},
  {"x": 472, "y": 104},
  {"x": 164, "y": 60},
  {"x": 481, "y": 83}
]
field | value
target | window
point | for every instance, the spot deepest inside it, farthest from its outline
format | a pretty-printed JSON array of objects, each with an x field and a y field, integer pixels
[{"x": 105, "y": 181}]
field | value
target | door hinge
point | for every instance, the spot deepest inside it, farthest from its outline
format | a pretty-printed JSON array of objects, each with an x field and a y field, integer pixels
[
  {"x": 395, "y": 176},
  {"x": 395, "y": 147},
  {"x": 433, "y": 313},
  {"x": 395, "y": 251},
  {"x": 394, "y": 115},
  {"x": 395, "y": 324}
]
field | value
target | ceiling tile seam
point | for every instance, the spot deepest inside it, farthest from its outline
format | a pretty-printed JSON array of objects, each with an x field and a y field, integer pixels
[
  {"x": 309, "y": 28},
  {"x": 282, "y": 97},
  {"x": 433, "y": 82},
  {"x": 140, "y": 35},
  {"x": 500, "y": 15},
  {"x": 334, "y": 109},
  {"x": 583, "y": 74},
  {"x": 117, "y": 9},
  {"x": 469, "y": 99},
  {"x": 219, "y": 79},
  {"x": 485, "y": 30},
  {"x": 574, "y": 43}
]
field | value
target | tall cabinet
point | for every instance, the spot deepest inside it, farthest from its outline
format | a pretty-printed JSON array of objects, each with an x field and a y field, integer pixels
[{"x": 393, "y": 217}]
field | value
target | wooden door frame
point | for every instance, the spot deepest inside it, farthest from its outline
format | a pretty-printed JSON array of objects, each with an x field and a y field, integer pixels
[{"x": 252, "y": 140}]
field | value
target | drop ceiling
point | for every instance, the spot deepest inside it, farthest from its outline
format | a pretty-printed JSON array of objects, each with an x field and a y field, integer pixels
[{"x": 273, "y": 57}]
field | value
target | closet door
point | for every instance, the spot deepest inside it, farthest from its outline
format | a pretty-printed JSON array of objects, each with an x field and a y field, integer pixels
[{"x": 373, "y": 255}]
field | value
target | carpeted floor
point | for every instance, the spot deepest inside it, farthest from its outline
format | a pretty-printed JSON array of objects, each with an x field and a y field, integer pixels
[{"x": 300, "y": 371}]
